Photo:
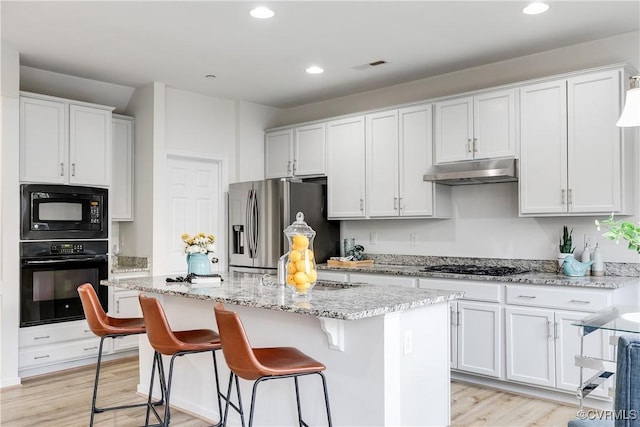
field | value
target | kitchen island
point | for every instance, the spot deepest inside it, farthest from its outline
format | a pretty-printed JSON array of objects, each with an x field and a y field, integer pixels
[{"x": 386, "y": 349}]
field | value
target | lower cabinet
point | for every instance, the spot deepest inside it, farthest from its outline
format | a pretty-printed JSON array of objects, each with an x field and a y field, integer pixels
[
  {"x": 541, "y": 346},
  {"x": 476, "y": 337},
  {"x": 125, "y": 303}
]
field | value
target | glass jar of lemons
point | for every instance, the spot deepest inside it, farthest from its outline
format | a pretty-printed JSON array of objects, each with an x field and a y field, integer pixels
[{"x": 301, "y": 274}]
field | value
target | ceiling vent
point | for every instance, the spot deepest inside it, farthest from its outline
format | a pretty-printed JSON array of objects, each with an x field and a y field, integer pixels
[{"x": 370, "y": 64}]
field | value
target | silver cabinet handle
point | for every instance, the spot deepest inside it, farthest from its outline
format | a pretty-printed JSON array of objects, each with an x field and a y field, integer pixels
[
  {"x": 468, "y": 145},
  {"x": 475, "y": 145},
  {"x": 526, "y": 296},
  {"x": 549, "y": 329},
  {"x": 570, "y": 196},
  {"x": 42, "y": 338},
  {"x": 73, "y": 169},
  {"x": 577, "y": 301},
  {"x": 395, "y": 203},
  {"x": 400, "y": 204},
  {"x": 555, "y": 331},
  {"x": 289, "y": 166},
  {"x": 61, "y": 169},
  {"x": 453, "y": 314},
  {"x": 41, "y": 357},
  {"x": 361, "y": 204},
  {"x": 90, "y": 348},
  {"x": 563, "y": 199},
  {"x": 295, "y": 166}
]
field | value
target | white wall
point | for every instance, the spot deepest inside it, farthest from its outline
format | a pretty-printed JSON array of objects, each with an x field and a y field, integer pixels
[
  {"x": 252, "y": 120},
  {"x": 485, "y": 220},
  {"x": 9, "y": 215}
]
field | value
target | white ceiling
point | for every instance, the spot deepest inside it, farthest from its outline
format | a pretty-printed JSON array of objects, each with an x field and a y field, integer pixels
[{"x": 263, "y": 61}]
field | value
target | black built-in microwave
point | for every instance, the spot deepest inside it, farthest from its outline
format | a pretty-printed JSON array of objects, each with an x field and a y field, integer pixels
[{"x": 63, "y": 212}]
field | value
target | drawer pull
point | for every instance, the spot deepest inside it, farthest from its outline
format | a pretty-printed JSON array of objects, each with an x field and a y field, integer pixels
[
  {"x": 42, "y": 338},
  {"x": 527, "y": 296},
  {"x": 90, "y": 348},
  {"x": 577, "y": 301},
  {"x": 41, "y": 357}
]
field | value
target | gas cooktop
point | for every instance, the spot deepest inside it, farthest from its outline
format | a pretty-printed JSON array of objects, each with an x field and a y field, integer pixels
[{"x": 480, "y": 270}]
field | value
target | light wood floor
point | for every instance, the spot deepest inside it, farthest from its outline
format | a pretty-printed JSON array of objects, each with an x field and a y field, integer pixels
[{"x": 63, "y": 400}]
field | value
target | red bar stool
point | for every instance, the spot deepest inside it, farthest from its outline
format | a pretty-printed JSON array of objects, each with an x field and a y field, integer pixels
[
  {"x": 262, "y": 364},
  {"x": 106, "y": 327},
  {"x": 174, "y": 344}
]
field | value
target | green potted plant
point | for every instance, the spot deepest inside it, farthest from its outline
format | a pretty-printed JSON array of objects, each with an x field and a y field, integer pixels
[
  {"x": 566, "y": 245},
  {"x": 617, "y": 230}
]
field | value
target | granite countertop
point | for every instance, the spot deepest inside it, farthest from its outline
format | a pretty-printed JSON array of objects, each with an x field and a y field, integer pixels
[
  {"x": 329, "y": 299},
  {"x": 129, "y": 264},
  {"x": 530, "y": 278}
]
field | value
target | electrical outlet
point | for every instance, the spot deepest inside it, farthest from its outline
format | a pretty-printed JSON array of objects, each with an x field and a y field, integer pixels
[
  {"x": 407, "y": 342},
  {"x": 588, "y": 240},
  {"x": 413, "y": 239},
  {"x": 373, "y": 238}
]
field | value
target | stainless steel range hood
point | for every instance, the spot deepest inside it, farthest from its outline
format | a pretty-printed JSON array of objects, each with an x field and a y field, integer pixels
[{"x": 474, "y": 172}]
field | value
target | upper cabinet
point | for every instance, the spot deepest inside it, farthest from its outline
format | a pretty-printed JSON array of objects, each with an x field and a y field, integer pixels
[
  {"x": 295, "y": 152},
  {"x": 572, "y": 154},
  {"x": 121, "y": 195},
  {"x": 482, "y": 126},
  {"x": 346, "y": 168},
  {"x": 64, "y": 142},
  {"x": 398, "y": 152}
]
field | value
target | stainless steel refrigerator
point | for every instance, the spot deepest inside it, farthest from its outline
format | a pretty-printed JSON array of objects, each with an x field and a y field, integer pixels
[{"x": 259, "y": 211}]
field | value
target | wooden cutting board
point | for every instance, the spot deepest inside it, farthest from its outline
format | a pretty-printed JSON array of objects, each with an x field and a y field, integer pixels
[{"x": 337, "y": 263}]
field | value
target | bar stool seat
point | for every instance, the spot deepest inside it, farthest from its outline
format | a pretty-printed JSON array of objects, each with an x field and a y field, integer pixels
[
  {"x": 262, "y": 364},
  {"x": 105, "y": 326},
  {"x": 175, "y": 344}
]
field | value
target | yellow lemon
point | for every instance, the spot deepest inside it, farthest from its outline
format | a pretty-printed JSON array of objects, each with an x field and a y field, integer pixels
[
  {"x": 301, "y": 241},
  {"x": 302, "y": 266},
  {"x": 295, "y": 256},
  {"x": 308, "y": 254},
  {"x": 291, "y": 268},
  {"x": 313, "y": 275},
  {"x": 300, "y": 278},
  {"x": 290, "y": 279},
  {"x": 303, "y": 288}
]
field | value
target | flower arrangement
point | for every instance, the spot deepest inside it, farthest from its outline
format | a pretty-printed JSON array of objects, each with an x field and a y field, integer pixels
[
  {"x": 617, "y": 230},
  {"x": 198, "y": 243}
]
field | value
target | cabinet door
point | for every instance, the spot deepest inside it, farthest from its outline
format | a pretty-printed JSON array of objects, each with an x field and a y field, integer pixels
[
  {"x": 310, "y": 150},
  {"x": 126, "y": 304},
  {"x": 530, "y": 346},
  {"x": 594, "y": 143},
  {"x": 494, "y": 124},
  {"x": 454, "y": 130},
  {"x": 43, "y": 141},
  {"x": 121, "y": 196},
  {"x": 415, "y": 157},
  {"x": 89, "y": 145},
  {"x": 543, "y": 148},
  {"x": 346, "y": 168},
  {"x": 278, "y": 154},
  {"x": 479, "y": 338},
  {"x": 567, "y": 338},
  {"x": 382, "y": 164}
]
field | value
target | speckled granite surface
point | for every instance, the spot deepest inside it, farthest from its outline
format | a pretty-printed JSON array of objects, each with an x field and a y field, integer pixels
[
  {"x": 129, "y": 264},
  {"x": 541, "y": 272},
  {"x": 334, "y": 300}
]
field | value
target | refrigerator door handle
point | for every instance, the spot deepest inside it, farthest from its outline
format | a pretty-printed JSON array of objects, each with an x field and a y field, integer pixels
[
  {"x": 254, "y": 224},
  {"x": 248, "y": 221}
]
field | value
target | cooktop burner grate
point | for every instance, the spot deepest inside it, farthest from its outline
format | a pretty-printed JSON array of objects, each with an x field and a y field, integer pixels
[{"x": 479, "y": 270}]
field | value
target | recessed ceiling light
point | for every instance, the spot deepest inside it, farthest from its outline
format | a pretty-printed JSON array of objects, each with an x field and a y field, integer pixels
[
  {"x": 314, "y": 69},
  {"x": 262, "y": 12},
  {"x": 535, "y": 8}
]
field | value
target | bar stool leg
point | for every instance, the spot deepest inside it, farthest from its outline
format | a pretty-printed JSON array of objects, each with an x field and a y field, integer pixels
[
  {"x": 326, "y": 398},
  {"x": 95, "y": 382},
  {"x": 228, "y": 403},
  {"x": 300, "y": 422}
]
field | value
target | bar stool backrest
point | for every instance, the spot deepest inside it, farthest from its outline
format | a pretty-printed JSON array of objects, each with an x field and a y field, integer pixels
[
  {"x": 235, "y": 345},
  {"x": 96, "y": 317},
  {"x": 161, "y": 338}
]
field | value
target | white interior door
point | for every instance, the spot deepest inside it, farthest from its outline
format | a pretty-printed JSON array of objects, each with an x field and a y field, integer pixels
[{"x": 195, "y": 204}]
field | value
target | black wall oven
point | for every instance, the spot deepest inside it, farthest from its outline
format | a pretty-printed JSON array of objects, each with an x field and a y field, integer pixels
[
  {"x": 51, "y": 272},
  {"x": 63, "y": 212}
]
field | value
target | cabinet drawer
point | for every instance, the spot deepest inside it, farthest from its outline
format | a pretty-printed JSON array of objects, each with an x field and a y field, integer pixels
[
  {"x": 383, "y": 279},
  {"x": 54, "y": 333},
  {"x": 54, "y": 353},
  {"x": 564, "y": 298},
  {"x": 477, "y": 291}
]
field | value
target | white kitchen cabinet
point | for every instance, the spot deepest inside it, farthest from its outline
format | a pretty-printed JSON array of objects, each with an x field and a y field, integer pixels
[
  {"x": 125, "y": 304},
  {"x": 571, "y": 154},
  {"x": 300, "y": 151},
  {"x": 477, "y": 334},
  {"x": 121, "y": 195},
  {"x": 398, "y": 153},
  {"x": 541, "y": 346},
  {"x": 64, "y": 142},
  {"x": 346, "y": 168},
  {"x": 481, "y": 126}
]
